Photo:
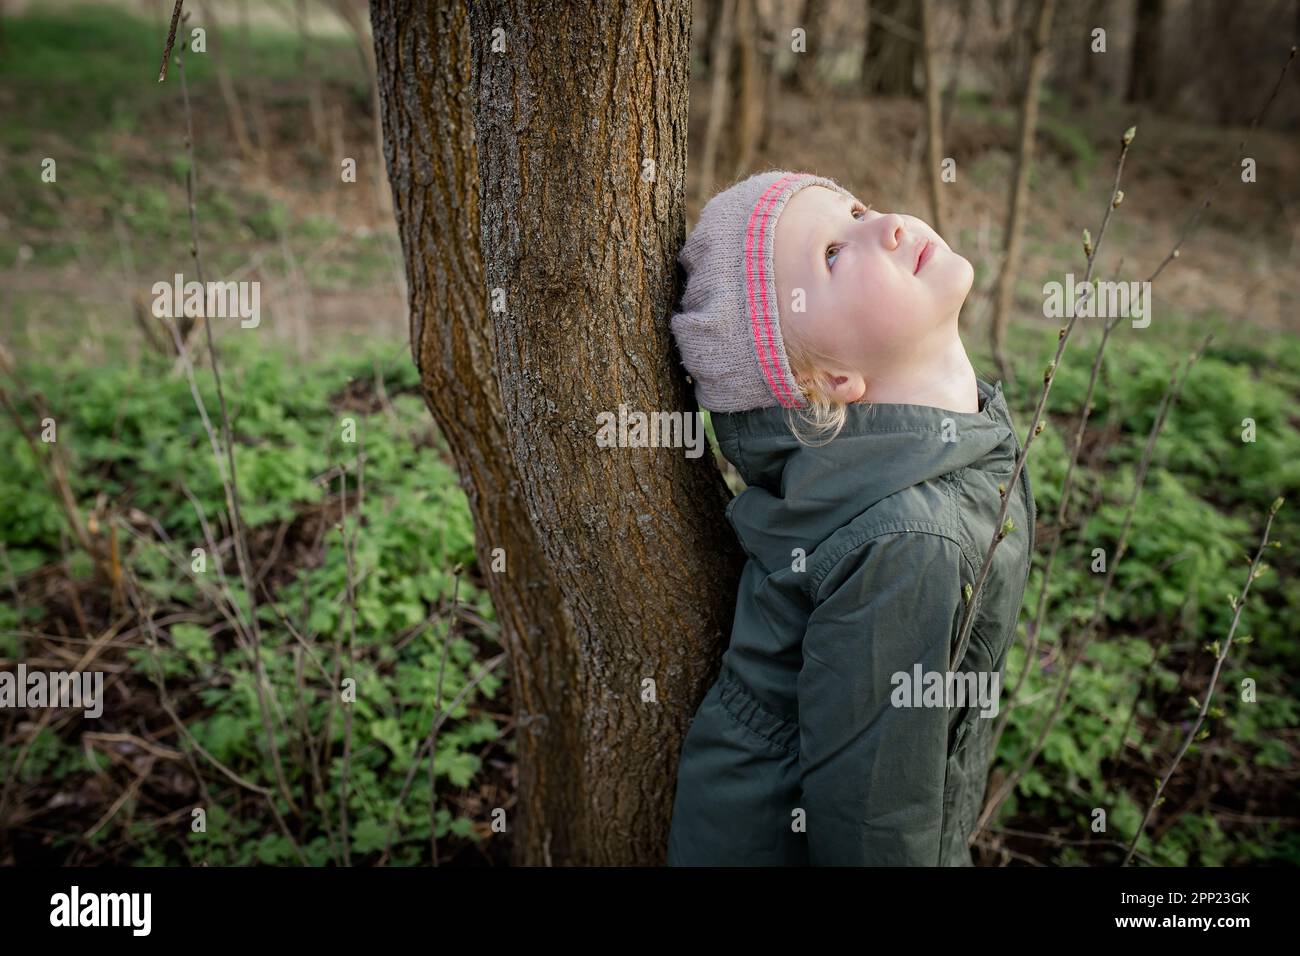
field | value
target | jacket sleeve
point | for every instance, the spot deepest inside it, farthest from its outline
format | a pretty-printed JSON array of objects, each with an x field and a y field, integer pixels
[{"x": 873, "y": 773}]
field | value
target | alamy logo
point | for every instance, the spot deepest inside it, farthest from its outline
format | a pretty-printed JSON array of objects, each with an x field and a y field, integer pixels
[
  {"x": 103, "y": 909},
  {"x": 215, "y": 300},
  {"x": 652, "y": 430},
  {"x": 75, "y": 689},
  {"x": 947, "y": 689},
  {"x": 1101, "y": 300}
]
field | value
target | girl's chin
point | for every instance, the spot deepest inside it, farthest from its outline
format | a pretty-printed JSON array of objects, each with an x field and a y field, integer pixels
[
  {"x": 958, "y": 264},
  {"x": 969, "y": 271},
  {"x": 954, "y": 279}
]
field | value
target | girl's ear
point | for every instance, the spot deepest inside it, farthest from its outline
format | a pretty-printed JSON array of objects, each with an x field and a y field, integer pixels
[{"x": 846, "y": 386}]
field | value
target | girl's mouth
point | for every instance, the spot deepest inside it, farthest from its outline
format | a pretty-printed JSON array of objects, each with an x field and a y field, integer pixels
[{"x": 925, "y": 254}]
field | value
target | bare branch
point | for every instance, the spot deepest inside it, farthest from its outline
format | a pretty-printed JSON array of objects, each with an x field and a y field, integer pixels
[
  {"x": 171, "y": 39},
  {"x": 1238, "y": 605}
]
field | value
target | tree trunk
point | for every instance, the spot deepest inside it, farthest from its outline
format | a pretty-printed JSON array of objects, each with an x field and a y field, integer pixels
[
  {"x": 1295, "y": 74},
  {"x": 1009, "y": 20},
  {"x": 517, "y": 179},
  {"x": 705, "y": 20},
  {"x": 747, "y": 91},
  {"x": 867, "y": 72},
  {"x": 1083, "y": 91},
  {"x": 804, "y": 77},
  {"x": 769, "y": 28},
  {"x": 958, "y": 57},
  {"x": 892, "y": 40},
  {"x": 1144, "y": 69},
  {"x": 1228, "y": 92},
  {"x": 229, "y": 95},
  {"x": 352, "y": 15},
  {"x": 934, "y": 135},
  {"x": 1024, "y": 163},
  {"x": 721, "y": 41}
]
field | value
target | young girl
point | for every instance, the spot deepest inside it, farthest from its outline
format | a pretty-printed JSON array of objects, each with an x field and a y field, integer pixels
[{"x": 822, "y": 335}]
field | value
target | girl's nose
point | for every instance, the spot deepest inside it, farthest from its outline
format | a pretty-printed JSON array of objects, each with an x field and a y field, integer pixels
[{"x": 891, "y": 226}]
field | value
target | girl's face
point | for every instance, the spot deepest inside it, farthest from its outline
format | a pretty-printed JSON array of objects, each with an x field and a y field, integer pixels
[{"x": 877, "y": 288}]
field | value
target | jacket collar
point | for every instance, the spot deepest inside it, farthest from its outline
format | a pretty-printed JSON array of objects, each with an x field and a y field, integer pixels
[{"x": 798, "y": 494}]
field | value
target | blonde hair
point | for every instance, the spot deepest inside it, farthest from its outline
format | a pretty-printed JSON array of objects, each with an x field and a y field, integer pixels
[{"x": 825, "y": 413}]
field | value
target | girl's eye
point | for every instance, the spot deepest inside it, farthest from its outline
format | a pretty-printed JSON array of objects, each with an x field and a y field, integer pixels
[{"x": 859, "y": 212}]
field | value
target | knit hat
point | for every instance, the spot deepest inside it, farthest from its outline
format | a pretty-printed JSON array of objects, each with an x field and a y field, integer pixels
[{"x": 728, "y": 332}]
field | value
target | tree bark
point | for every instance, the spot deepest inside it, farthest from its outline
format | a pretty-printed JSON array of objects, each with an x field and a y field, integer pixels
[
  {"x": 517, "y": 176},
  {"x": 1016, "y": 208}
]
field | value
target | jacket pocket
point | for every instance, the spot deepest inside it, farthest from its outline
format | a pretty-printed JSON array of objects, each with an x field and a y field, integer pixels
[
  {"x": 959, "y": 736},
  {"x": 978, "y": 659}
]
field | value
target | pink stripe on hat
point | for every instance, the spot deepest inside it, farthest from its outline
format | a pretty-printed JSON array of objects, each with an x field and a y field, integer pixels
[
  {"x": 767, "y": 319},
  {"x": 764, "y": 205}
]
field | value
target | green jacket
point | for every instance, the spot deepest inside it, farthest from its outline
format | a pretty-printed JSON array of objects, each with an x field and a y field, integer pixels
[{"x": 803, "y": 751}]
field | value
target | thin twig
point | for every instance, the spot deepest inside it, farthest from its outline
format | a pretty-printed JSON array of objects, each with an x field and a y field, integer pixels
[
  {"x": 1033, "y": 628},
  {"x": 1035, "y": 427},
  {"x": 352, "y": 667},
  {"x": 430, "y": 741},
  {"x": 1238, "y": 605},
  {"x": 1155, "y": 650},
  {"x": 229, "y": 476},
  {"x": 1076, "y": 651},
  {"x": 433, "y": 731},
  {"x": 1053, "y": 838},
  {"x": 171, "y": 39},
  {"x": 165, "y": 701},
  {"x": 488, "y": 667}
]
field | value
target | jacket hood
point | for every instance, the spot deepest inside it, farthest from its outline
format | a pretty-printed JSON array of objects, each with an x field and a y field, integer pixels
[{"x": 797, "y": 495}]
